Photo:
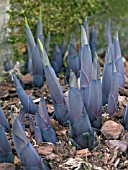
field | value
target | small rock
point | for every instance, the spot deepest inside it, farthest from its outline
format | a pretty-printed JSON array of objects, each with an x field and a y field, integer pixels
[
  {"x": 7, "y": 166},
  {"x": 121, "y": 145},
  {"x": 72, "y": 152},
  {"x": 45, "y": 150},
  {"x": 111, "y": 129},
  {"x": 83, "y": 152},
  {"x": 51, "y": 157},
  {"x": 27, "y": 79}
]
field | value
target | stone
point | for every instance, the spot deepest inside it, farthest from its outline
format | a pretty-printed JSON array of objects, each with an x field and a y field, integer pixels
[
  {"x": 45, "y": 150},
  {"x": 111, "y": 129},
  {"x": 121, "y": 145}
]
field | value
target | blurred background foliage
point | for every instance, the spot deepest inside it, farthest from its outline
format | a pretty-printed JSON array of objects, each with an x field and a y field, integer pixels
[{"x": 62, "y": 18}]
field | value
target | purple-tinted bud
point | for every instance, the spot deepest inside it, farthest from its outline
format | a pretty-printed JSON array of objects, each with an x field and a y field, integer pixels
[
  {"x": 3, "y": 121},
  {"x": 26, "y": 101},
  {"x": 38, "y": 135},
  {"x": 5, "y": 150}
]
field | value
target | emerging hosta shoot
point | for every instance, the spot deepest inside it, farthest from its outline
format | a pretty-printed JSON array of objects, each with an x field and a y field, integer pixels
[
  {"x": 86, "y": 68},
  {"x": 3, "y": 121},
  {"x": 37, "y": 67},
  {"x": 93, "y": 42},
  {"x": 86, "y": 28},
  {"x": 29, "y": 36},
  {"x": 95, "y": 96},
  {"x": 113, "y": 95},
  {"x": 57, "y": 60},
  {"x": 107, "y": 77},
  {"x": 5, "y": 150},
  {"x": 62, "y": 48},
  {"x": 73, "y": 59},
  {"x": 56, "y": 92},
  {"x": 125, "y": 118},
  {"x": 81, "y": 132},
  {"x": 29, "y": 158},
  {"x": 38, "y": 135},
  {"x": 43, "y": 121},
  {"x": 26, "y": 101},
  {"x": 118, "y": 59}
]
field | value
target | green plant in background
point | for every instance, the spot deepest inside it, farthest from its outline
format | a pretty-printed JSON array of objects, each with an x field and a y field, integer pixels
[{"x": 59, "y": 18}]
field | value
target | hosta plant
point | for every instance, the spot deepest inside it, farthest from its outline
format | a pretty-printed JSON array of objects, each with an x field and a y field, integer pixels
[
  {"x": 113, "y": 95},
  {"x": 58, "y": 98},
  {"x": 73, "y": 59},
  {"x": 81, "y": 132},
  {"x": 27, "y": 103},
  {"x": 57, "y": 60},
  {"x": 94, "y": 107},
  {"x": 6, "y": 154},
  {"x": 3, "y": 121},
  {"x": 118, "y": 59},
  {"x": 107, "y": 76},
  {"x": 86, "y": 67},
  {"x": 30, "y": 160},
  {"x": 43, "y": 121}
]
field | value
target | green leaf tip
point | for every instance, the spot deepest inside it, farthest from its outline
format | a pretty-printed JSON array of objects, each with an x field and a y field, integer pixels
[
  {"x": 26, "y": 21},
  {"x": 40, "y": 14},
  {"x": 41, "y": 46}
]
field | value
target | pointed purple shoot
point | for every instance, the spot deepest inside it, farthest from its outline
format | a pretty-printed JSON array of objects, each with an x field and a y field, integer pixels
[
  {"x": 75, "y": 104},
  {"x": 107, "y": 77},
  {"x": 125, "y": 118},
  {"x": 37, "y": 67},
  {"x": 84, "y": 39},
  {"x": 80, "y": 125},
  {"x": 86, "y": 66},
  {"x": 39, "y": 28},
  {"x": 95, "y": 98},
  {"x": 55, "y": 89},
  {"x": 43, "y": 122},
  {"x": 30, "y": 67},
  {"x": 73, "y": 59},
  {"x": 3, "y": 121},
  {"x": 86, "y": 27},
  {"x": 22, "y": 118},
  {"x": 113, "y": 95},
  {"x": 5, "y": 150},
  {"x": 85, "y": 73},
  {"x": 62, "y": 48},
  {"x": 118, "y": 59},
  {"x": 57, "y": 60},
  {"x": 42, "y": 117},
  {"x": 27, "y": 154},
  {"x": 26, "y": 101},
  {"x": 38, "y": 135},
  {"x": 95, "y": 95},
  {"x": 93, "y": 42},
  {"x": 29, "y": 36}
]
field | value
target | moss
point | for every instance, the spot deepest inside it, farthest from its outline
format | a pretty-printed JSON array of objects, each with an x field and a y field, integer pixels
[{"x": 59, "y": 18}]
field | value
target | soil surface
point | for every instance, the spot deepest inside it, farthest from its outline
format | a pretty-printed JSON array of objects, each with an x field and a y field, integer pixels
[{"x": 110, "y": 154}]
